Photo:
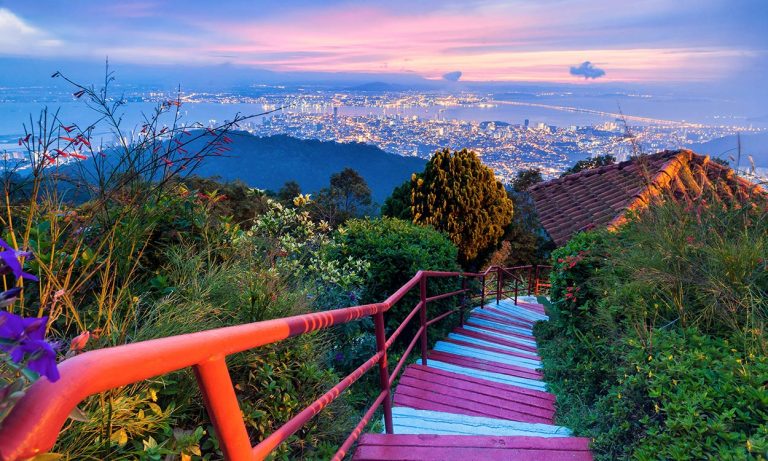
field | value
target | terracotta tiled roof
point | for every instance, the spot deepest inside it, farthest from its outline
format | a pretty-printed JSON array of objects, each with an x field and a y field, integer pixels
[{"x": 602, "y": 196}]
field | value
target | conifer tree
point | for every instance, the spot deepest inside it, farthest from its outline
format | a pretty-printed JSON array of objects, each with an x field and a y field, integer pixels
[{"x": 460, "y": 196}]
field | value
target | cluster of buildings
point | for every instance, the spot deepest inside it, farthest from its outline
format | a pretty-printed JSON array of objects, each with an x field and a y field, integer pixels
[{"x": 413, "y": 123}]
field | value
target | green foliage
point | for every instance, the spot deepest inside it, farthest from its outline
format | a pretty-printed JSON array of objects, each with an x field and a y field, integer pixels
[
  {"x": 238, "y": 201},
  {"x": 524, "y": 241},
  {"x": 289, "y": 191},
  {"x": 656, "y": 342},
  {"x": 396, "y": 250},
  {"x": 524, "y": 179},
  {"x": 698, "y": 389},
  {"x": 593, "y": 162},
  {"x": 398, "y": 205},
  {"x": 348, "y": 196},
  {"x": 149, "y": 254},
  {"x": 460, "y": 196}
]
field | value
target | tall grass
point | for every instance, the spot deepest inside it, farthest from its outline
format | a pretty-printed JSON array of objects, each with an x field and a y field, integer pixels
[{"x": 656, "y": 345}]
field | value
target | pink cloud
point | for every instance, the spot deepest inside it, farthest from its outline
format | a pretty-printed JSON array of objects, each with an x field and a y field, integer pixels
[{"x": 534, "y": 41}]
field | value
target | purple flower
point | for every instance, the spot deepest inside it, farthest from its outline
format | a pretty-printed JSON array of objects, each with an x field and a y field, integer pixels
[
  {"x": 9, "y": 261},
  {"x": 339, "y": 357},
  {"x": 24, "y": 340},
  {"x": 8, "y": 297}
]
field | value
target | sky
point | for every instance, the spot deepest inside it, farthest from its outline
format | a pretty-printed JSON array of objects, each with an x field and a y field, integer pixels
[{"x": 564, "y": 41}]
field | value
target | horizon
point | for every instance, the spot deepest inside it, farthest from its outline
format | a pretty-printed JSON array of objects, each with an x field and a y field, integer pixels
[{"x": 560, "y": 41}]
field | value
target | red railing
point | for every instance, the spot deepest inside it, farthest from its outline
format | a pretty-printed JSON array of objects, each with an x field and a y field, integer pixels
[
  {"x": 35, "y": 422},
  {"x": 518, "y": 280}
]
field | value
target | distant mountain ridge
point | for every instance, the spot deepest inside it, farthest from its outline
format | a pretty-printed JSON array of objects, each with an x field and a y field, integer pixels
[
  {"x": 754, "y": 145},
  {"x": 268, "y": 162}
]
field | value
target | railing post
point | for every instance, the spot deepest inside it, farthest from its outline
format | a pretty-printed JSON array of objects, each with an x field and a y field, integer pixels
[
  {"x": 223, "y": 408},
  {"x": 536, "y": 287},
  {"x": 499, "y": 284},
  {"x": 423, "y": 318},
  {"x": 516, "y": 288},
  {"x": 482, "y": 296},
  {"x": 381, "y": 346},
  {"x": 463, "y": 300}
]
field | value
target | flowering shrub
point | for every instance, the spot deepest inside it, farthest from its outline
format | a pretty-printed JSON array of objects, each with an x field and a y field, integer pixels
[
  {"x": 301, "y": 247},
  {"x": 24, "y": 350}
]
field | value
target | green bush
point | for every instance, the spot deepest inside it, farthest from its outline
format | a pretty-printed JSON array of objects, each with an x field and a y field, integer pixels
[{"x": 396, "y": 250}]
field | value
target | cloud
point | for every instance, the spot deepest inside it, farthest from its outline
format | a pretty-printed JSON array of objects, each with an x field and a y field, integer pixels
[
  {"x": 587, "y": 70},
  {"x": 17, "y": 36},
  {"x": 452, "y": 76}
]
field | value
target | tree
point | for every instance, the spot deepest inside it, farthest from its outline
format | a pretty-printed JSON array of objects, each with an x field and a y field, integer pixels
[
  {"x": 347, "y": 197},
  {"x": 398, "y": 205},
  {"x": 460, "y": 196},
  {"x": 289, "y": 191},
  {"x": 586, "y": 164},
  {"x": 524, "y": 240},
  {"x": 526, "y": 178}
]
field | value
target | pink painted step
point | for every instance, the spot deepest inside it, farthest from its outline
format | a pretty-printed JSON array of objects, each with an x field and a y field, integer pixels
[
  {"x": 379, "y": 447},
  {"x": 492, "y": 349},
  {"x": 486, "y": 365},
  {"x": 494, "y": 339},
  {"x": 506, "y": 391},
  {"x": 460, "y": 392},
  {"x": 535, "y": 307},
  {"x": 493, "y": 318},
  {"x": 509, "y": 316},
  {"x": 500, "y": 331}
]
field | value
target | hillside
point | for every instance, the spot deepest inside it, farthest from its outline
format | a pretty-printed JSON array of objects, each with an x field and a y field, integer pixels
[
  {"x": 268, "y": 162},
  {"x": 755, "y": 145}
]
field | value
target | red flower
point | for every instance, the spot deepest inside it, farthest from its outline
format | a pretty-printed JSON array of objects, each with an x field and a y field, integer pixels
[
  {"x": 68, "y": 129},
  {"x": 61, "y": 152},
  {"x": 79, "y": 342}
]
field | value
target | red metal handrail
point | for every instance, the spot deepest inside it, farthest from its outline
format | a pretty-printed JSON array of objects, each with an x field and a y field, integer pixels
[{"x": 36, "y": 420}]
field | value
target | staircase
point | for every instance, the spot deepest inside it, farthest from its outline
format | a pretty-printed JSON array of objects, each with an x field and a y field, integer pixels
[{"x": 480, "y": 397}]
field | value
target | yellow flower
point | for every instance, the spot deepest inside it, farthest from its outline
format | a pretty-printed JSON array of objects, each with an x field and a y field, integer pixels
[
  {"x": 669, "y": 357},
  {"x": 650, "y": 357},
  {"x": 619, "y": 395},
  {"x": 749, "y": 445},
  {"x": 656, "y": 407},
  {"x": 135, "y": 299}
]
